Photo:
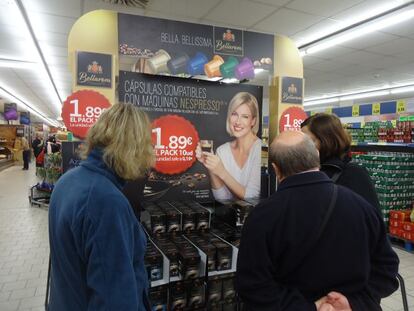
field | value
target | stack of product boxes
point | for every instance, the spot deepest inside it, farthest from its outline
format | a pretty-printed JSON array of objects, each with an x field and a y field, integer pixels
[
  {"x": 401, "y": 225},
  {"x": 393, "y": 176},
  {"x": 190, "y": 267}
]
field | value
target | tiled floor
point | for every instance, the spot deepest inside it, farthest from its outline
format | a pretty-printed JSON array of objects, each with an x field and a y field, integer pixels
[{"x": 24, "y": 249}]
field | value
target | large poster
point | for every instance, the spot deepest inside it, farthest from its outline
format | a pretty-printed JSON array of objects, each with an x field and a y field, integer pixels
[
  {"x": 196, "y": 135},
  {"x": 159, "y": 46}
]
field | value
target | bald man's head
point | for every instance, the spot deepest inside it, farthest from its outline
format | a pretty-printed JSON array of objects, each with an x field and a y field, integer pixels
[{"x": 293, "y": 152}]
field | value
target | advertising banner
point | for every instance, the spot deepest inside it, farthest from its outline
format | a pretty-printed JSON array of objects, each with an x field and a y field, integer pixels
[
  {"x": 292, "y": 90},
  {"x": 10, "y": 111},
  {"x": 160, "y": 46},
  {"x": 70, "y": 154},
  {"x": 94, "y": 69},
  {"x": 25, "y": 117},
  {"x": 81, "y": 110},
  {"x": 195, "y": 133}
]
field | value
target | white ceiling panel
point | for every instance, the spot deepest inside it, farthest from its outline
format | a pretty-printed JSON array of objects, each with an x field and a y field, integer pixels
[
  {"x": 394, "y": 47},
  {"x": 272, "y": 2},
  {"x": 69, "y": 8},
  {"x": 51, "y": 38},
  {"x": 52, "y": 23},
  {"x": 281, "y": 22},
  {"x": 366, "y": 9},
  {"x": 320, "y": 29},
  {"x": 242, "y": 13},
  {"x": 403, "y": 29},
  {"x": 361, "y": 57},
  {"x": 325, "y": 8},
  {"x": 328, "y": 65},
  {"x": 310, "y": 60},
  {"x": 334, "y": 52},
  {"x": 49, "y": 50},
  {"x": 372, "y": 39},
  {"x": 194, "y": 8}
]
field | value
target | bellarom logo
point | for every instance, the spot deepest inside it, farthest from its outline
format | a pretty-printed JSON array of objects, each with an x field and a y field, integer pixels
[
  {"x": 94, "y": 75},
  {"x": 228, "y": 42},
  {"x": 292, "y": 91}
]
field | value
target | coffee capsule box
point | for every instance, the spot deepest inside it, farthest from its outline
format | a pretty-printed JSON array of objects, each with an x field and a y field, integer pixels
[
  {"x": 208, "y": 248},
  {"x": 189, "y": 217},
  {"x": 215, "y": 289},
  {"x": 173, "y": 217},
  {"x": 158, "y": 297},
  {"x": 189, "y": 258},
  {"x": 153, "y": 262},
  {"x": 178, "y": 296},
  {"x": 171, "y": 251},
  {"x": 196, "y": 292},
  {"x": 229, "y": 291},
  {"x": 154, "y": 219}
]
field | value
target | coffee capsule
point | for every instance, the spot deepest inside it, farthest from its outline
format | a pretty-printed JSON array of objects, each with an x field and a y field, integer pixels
[
  {"x": 244, "y": 70},
  {"x": 178, "y": 64},
  {"x": 195, "y": 65},
  {"x": 227, "y": 68},
  {"x": 158, "y": 63},
  {"x": 212, "y": 68}
]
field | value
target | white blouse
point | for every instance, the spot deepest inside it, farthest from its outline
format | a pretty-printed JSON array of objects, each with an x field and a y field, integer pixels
[{"x": 248, "y": 176}]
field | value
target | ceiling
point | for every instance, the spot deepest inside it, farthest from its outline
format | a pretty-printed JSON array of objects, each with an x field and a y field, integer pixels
[{"x": 384, "y": 57}]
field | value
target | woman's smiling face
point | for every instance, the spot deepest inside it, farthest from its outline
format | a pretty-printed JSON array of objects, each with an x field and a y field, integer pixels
[{"x": 241, "y": 121}]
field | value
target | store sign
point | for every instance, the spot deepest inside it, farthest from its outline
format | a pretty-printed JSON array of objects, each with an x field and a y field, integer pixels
[
  {"x": 291, "y": 119},
  {"x": 94, "y": 69},
  {"x": 10, "y": 111},
  {"x": 376, "y": 109},
  {"x": 355, "y": 110},
  {"x": 188, "y": 49},
  {"x": 188, "y": 117},
  {"x": 82, "y": 109},
  {"x": 292, "y": 90},
  {"x": 228, "y": 41},
  {"x": 401, "y": 106},
  {"x": 25, "y": 117}
]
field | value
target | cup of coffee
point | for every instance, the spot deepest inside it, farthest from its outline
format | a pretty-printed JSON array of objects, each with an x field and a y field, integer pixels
[{"x": 206, "y": 145}]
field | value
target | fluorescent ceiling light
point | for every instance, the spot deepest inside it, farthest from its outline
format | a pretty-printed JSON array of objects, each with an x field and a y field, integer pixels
[
  {"x": 354, "y": 19},
  {"x": 14, "y": 63},
  {"x": 321, "y": 101},
  {"x": 230, "y": 80},
  {"x": 55, "y": 99},
  {"x": 362, "y": 30},
  {"x": 364, "y": 95},
  {"x": 405, "y": 89}
]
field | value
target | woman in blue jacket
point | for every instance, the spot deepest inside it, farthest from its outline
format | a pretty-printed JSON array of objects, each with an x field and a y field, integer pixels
[{"x": 97, "y": 245}]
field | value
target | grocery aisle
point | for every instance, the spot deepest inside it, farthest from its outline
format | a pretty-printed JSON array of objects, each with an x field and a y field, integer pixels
[{"x": 24, "y": 249}]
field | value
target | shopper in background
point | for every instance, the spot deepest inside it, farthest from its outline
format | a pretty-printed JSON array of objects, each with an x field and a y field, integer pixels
[
  {"x": 97, "y": 245},
  {"x": 26, "y": 153},
  {"x": 37, "y": 145},
  {"x": 304, "y": 248},
  {"x": 235, "y": 168},
  {"x": 334, "y": 144}
]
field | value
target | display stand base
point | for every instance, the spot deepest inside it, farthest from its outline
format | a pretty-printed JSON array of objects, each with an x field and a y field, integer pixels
[{"x": 402, "y": 243}]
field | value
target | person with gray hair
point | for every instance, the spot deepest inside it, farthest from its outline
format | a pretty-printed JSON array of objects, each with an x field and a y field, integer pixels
[{"x": 304, "y": 248}]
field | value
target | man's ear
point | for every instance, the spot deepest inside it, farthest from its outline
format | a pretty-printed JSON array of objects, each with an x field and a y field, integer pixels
[{"x": 277, "y": 172}]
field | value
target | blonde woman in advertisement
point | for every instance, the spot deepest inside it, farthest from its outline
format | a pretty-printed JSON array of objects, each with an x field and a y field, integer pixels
[{"x": 235, "y": 168}]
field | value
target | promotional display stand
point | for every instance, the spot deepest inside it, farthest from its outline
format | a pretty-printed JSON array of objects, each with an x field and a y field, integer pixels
[{"x": 161, "y": 66}]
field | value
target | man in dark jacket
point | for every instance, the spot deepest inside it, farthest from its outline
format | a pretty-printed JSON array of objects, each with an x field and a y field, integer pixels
[{"x": 289, "y": 260}]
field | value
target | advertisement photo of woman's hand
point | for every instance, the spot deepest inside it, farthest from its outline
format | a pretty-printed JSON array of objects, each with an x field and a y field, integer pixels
[{"x": 213, "y": 163}]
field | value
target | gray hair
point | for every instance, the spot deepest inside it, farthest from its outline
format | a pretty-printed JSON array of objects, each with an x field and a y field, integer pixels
[{"x": 296, "y": 158}]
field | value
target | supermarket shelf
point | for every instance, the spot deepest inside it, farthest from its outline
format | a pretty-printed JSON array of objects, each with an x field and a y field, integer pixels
[{"x": 396, "y": 147}]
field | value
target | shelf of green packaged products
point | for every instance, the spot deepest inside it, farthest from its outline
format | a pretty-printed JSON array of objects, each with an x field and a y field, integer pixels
[{"x": 393, "y": 177}]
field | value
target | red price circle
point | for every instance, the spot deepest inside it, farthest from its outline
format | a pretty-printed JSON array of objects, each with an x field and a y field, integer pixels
[
  {"x": 291, "y": 119},
  {"x": 175, "y": 140},
  {"x": 82, "y": 109}
]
